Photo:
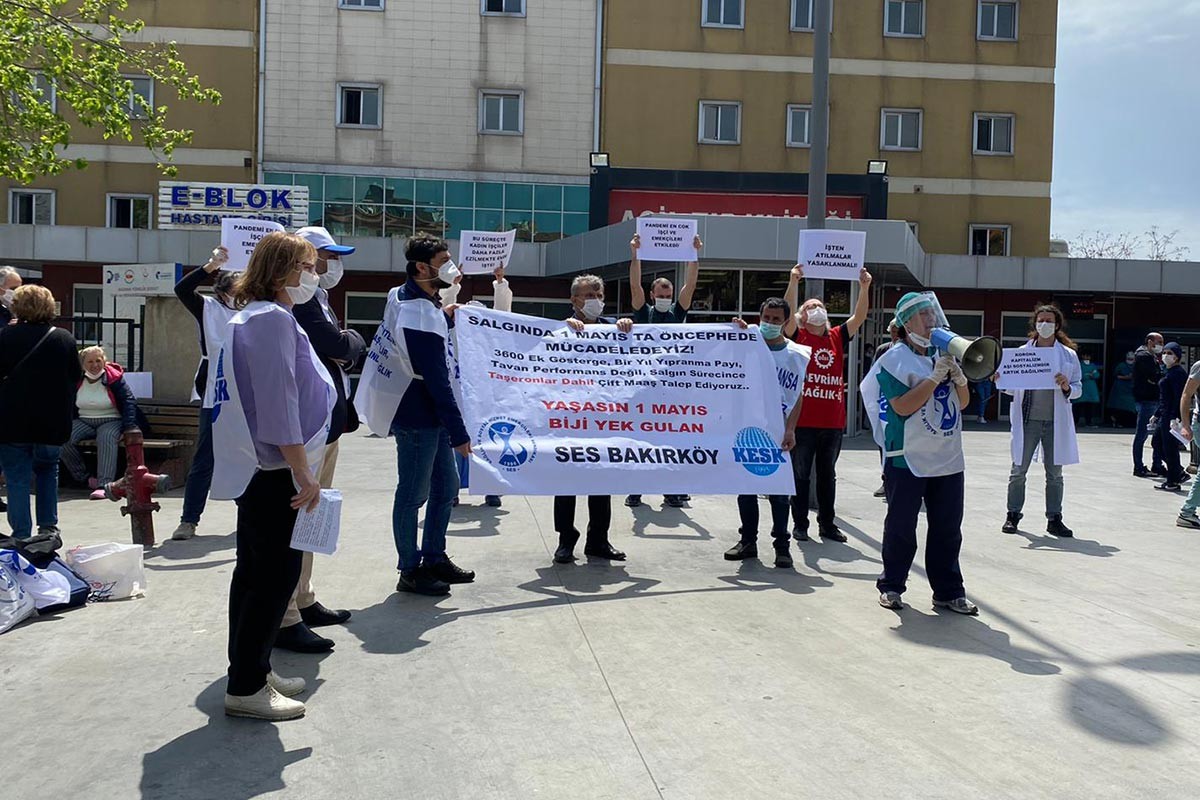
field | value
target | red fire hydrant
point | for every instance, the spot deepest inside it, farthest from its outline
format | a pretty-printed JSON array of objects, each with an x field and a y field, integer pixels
[{"x": 137, "y": 486}]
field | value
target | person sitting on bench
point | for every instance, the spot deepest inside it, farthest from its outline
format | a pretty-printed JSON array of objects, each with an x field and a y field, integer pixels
[{"x": 106, "y": 411}]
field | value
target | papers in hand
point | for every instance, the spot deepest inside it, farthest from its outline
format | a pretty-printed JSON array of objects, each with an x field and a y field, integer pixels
[
  {"x": 317, "y": 531},
  {"x": 1177, "y": 432}
]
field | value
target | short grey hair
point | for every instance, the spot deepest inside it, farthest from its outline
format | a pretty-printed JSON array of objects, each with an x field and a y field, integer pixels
[
  {"x": 6, "y": 273},
  {"x": 586, "y": 282}
]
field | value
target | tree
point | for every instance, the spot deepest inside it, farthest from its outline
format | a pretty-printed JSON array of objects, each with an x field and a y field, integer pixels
[
  {"x": 75, "y": 51},
  {"x": 1154, "y": 245},
  {"x": 1161, "y": 246}
]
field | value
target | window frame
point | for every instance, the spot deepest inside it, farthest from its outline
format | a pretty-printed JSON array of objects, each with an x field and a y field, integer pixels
[
  {"x": 342, "y": 86},
  {"x": 989, "y": 226},
  {"x": 883, "y": 145},
  {"x": 108, "y": 209},
  {"x": 1012, "y": 134},
  {"x": 351, "y": 5},
  {"x": 902, "y": 35},
  {"x": 53, "y": 86},
  {"x": 807, "y": 144},
  {"x": 484, "y": 94},
  {"x": 704, "y": 23},
  {"x": 979, "y": 34},
  {"x": 700, "y": 122},
  {"x": 483, "y": 12},
  {"x": 812, "y": 12},
  {"x": 12, "y": 195},
  {"x": 136, "y": 113}
]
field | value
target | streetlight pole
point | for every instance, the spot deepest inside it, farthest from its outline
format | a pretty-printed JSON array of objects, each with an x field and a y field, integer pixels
[{"x": 818, "y": 173}]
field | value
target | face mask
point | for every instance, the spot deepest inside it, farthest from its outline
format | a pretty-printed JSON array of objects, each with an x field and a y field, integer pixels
[
  {"x": 817, "y": 316},
  {"x": 1157, "y": 349},
  {"x": 304, "y": 292},
  {"x": 918, "y": 340},
  {"x": 770, "y": 331},
  {"x": 1129, "y": 359},
  {"x": 1087, "y": 361},
  {"x": 448, "y": 272},
  {"x": 333, "y": 275},
  {"x": 593, "y": 308},
  {"x": 663, "y": 304},
  {"x": 1045, "y": 329},
  {"x": 1169, "y": 359},
  {"x": 93, "y": 376},
  {"x": 7, "y": 297}
]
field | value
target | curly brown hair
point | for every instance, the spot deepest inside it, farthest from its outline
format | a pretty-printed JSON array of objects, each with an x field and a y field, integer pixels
[
  {"x": 33, "y": 303},
  {"x": 276, "y": 256},
  {"x": 1060, "y": 324}
]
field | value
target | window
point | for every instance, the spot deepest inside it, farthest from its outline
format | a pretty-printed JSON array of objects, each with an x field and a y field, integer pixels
[
  {"x": 359, "y": 105},
  {"x": 515, "y": 8},
  {"x": 31, "y": 206},
  {"x": 990, "y": 240},
  {"x": 798, "y": 119},
  {"x": 362, "y": 5},
  {"x": 142, "y": 87},
  {"x": 502, "y": 112},
  {"x": 723, "y": 13},
  {"x": 997, "y": 21},
  {"x": 720, "y": 123},
  {"x": 904, "y": 18},
  {"x": 802, "y": 15},
  {"x": 364, "y": 312},
  {"x": 129, "y": 211},
  {"x": 901, "y": 129},
  {"x": 994, "y": 134}
]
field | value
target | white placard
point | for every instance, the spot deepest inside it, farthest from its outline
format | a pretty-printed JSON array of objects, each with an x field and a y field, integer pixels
[
  {"x": 317, "y": 531},
  {"x": 667, "y": 239},
  {"x": 140, "y": 383},
  {"x": 239, "y": 236},
  {"x": 139, "y": 280},
  {"x": 663, "y": 409},
  {"x": 832, "y": 255},
  {"x": 483, "y": 251},
  {"x": 1028, "y": 368}
]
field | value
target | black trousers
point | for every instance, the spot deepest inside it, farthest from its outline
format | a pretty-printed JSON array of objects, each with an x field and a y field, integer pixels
[
  {"x": 819, "y": 447},
  {"x": 1168, "y": 445},
  {"x": 748, "y": 512},
  {"x": 943, "y": 498},
  {"x": 599, "y": 518},
  {"x": 263, "y": 580}
]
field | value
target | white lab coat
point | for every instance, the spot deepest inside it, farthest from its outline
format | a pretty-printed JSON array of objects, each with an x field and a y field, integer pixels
[{"x": 1066, "y": 448}]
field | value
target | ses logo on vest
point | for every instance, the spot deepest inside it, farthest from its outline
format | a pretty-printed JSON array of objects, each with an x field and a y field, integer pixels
[
  {"x": 220, "y": 386},
  {"x": 755, "y": 450}
]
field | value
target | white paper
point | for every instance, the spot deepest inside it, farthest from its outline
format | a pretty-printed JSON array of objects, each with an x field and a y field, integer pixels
[
  {"x": 1177, "y": 432},
  {"x": 832, "y": 255},
  {"x": 482, "y": 251},
  {"x": 239, "y": 236},
  {"x": 142, "y": 384},
  {"x": 1028, "y": 368},
  {"x": 667, "y": 239},
  {"x": 317, "y": 531}
]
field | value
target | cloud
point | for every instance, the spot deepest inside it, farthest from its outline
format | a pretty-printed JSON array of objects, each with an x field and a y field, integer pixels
[{"x": 1122, "y": 24}]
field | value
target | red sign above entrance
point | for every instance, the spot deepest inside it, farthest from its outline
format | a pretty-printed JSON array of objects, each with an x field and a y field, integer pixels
[{"x": 629, "y": 203}]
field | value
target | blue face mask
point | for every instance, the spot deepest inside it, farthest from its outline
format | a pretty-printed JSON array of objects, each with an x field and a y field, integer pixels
[{"x": 770, "y": 331}]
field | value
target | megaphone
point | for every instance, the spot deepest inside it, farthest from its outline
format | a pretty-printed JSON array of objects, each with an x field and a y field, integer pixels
[{"x": 980, "y": 357}]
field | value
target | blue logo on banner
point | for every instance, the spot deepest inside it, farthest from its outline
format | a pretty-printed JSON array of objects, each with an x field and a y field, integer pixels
[
  {"x": 506, "y": 442},
  {"x": 755, "y": 450},
  {"x": 948, "y": 413}
]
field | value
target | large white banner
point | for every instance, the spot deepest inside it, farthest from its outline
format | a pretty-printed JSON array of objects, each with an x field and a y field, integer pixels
[{"x": 664, "y": 409}]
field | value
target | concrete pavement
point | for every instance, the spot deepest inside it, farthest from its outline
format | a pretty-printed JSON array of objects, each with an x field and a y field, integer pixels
[{"x": 674, "y": 675}]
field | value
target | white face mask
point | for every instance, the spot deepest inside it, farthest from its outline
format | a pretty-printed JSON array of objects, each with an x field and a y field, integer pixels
[
  {"x": 592, "y": 307},
  {"x": 818, "y": 316},
  {"x": 1157, "y": 349},
  {"x": 93, "y": 376},
  {"x": 918, "y": 340},
  {"x": 304, "y": 292},
  {"x": 663, "y": 304},
  {"x": 6, "y": 297},
  {"x": 1045, "y": 329},
  {"x": 1169, "y": 359},
  {"x": 448, "y": 272},
  {"x": 333, "y": 275}
]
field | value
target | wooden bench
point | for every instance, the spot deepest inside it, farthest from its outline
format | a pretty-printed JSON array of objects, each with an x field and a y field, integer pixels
[{"x": 170, "y": 443}]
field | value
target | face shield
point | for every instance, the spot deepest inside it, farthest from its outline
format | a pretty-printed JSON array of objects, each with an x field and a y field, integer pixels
[{"x": 920, "y": 313}]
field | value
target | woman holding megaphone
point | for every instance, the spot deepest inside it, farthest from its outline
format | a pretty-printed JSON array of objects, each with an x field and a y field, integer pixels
[{"x": 920, "y": 429}]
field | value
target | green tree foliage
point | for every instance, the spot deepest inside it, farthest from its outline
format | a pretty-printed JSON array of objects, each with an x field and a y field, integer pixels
[{"x": 80, "y": 50}]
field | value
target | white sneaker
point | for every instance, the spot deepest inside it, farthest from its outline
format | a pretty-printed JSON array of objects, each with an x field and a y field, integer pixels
[
  {"x": 891, "y": 600},
  {"x": 266, "y": 704},
  {"x": 288, "y": 687},
  {"x": 186, "y": 530},
  {"x": 959, "y": 605}
]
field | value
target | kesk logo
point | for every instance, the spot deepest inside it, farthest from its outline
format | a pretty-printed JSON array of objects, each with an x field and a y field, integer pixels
[
  {"x": 506, "y": 442},
  {"x": 755, "y": 450}
]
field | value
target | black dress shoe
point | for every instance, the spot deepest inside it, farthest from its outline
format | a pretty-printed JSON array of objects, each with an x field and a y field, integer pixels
[
  {"x": 604, "y": 550},
  {"x": 300, "y": 639},
  {"x": 674, "y": 500},
  {"x": 418, "y": 581},
  {"x": 742, "y": 550},
  {"x": 1142, "y": 472},
  {"x": 448, "y": 572},
  {"x": 1055, "y": 527},
  {"x": 800, "y": 534},
  {"x": 783, "y": 558},
  {"x": 565, "y": 553},
  {"x": 832, "y": 533},
  {"x": 493, "y": 500},
  {"x": 1011, "y": 522},
  {"x": 317, "y": 615},
  {"x": 633, "y": 500}
]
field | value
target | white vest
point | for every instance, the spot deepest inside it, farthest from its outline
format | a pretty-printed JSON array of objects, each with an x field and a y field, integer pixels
[
  {"x": 235, "y": 459},
  {"x": 933, "y": 434},
  {"x": 791, "y": 364},
  {"x": 214, "y": 319}
]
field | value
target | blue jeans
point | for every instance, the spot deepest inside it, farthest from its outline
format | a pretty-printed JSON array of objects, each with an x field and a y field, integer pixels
[
  {"x": 199, "y": 479},
  {"x": 1145, "y": 410},
  {"x": 425, "y": 471},
  {"x": 25, "y": 464},
  {"x": 1037, "y": 432}
]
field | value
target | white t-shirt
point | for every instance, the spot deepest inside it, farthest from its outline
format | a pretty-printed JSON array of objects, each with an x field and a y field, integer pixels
[{"x": 791, "y": 363}]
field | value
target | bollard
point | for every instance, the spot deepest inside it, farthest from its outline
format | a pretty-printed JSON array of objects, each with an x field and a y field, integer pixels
[{"x": 137, "y": 487}]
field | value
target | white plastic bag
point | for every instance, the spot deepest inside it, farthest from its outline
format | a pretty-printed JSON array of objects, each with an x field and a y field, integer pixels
[
  {"x": 45, "y": 587},
  {"x": 15, "y": 603},
  {"x": 114, "y": 570}
]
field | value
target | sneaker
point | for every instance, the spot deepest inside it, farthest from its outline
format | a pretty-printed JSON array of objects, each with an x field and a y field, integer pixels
[
  {"x": 800, "y": 534},
  {"x": 447, "y": 571},
  {"x": 1169, "y": 487},
  {"x": 1142, "y": 472},
  {"x": 783, "y": 558},
  {"x": 959, "y": 605},
  {"x": 983, "y": 420},
  {"x": 633, "y": 500},
  {"x": 493, "y": 500},
  {"x": 418, "y": 581},
  {"x": 1191, "y": 469},
  {"x": 266, "y": 703},
  {"x": 288, "y": 687},
  {"x": 880, "y": 492},
  {"x": 1188, "y": 521},
  {"x": 1055, "y": 527},
  {"x": 742, "y": 550},
  {"x": 186, "y": 530},
  {"x": 99, "y": 494},
  {"x": 890, "y": 600},
  {"x": 1011, "y": 522},
  {"x": 832, "y": 533}
]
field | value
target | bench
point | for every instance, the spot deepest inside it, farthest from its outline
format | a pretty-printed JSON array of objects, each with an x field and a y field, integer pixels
[{"x": 171, "y": 442}]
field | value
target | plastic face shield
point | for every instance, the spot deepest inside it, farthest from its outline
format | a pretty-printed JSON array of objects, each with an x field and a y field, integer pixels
[{"x": 922, "y": 314}]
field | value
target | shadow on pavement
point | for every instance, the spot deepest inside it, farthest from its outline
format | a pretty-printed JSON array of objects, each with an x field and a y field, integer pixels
[
  {"x": 755, "y": 576},
  {"x": 487, "y": 520},
  {"x": 671, "y": 519},
  {"x": 1085, "y": 547},
  {"x": 950, "y": 631},
  {"x": 817, "y": 550}
]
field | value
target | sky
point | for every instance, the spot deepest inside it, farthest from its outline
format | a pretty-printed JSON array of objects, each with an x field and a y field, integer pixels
[{"x": 1127, "y": 119}]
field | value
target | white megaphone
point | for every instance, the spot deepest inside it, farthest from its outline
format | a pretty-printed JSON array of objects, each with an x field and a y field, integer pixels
[{"x": 980, "y": 357}]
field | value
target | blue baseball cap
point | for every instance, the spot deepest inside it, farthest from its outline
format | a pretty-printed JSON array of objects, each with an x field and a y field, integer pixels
[{"x": 321, "y": 239}]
